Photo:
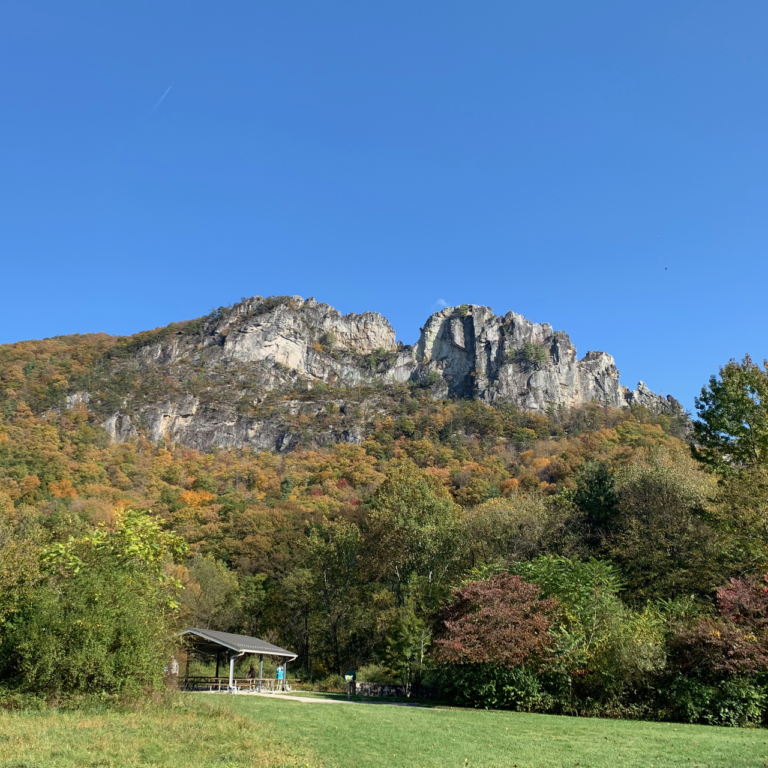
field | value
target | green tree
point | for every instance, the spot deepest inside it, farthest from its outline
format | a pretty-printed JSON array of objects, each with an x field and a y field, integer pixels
[
  {"x": 665, "y": 545},
  {"x": 20, "y": 547},
  {"x": 332, "y": 555},
  {"x": 515, "y": 527},
  {"x": 602, "y": 646},
  {"x": 732, "y": 430},
  {"x": 298, "y": 592},
  {"x": 102, "y": 620},
  {"x": 211, "y": 598},
  {"x": 531, "y": 356},
  {"x": 741, "y": 514},
  {"x": 253, "y": 597},
  {"x": 574, "y": 582},
  {"x": 731, "y": 437},
  {"x": 408, "y": 642},
  {"x": 412, "y": 541},
  {"x": 595, "y": 497}
]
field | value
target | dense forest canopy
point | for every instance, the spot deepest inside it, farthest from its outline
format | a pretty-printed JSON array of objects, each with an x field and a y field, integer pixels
[{"x": 625, "y": 549}]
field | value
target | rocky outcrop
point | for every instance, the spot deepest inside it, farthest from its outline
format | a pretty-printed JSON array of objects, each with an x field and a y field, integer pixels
[
  {"x": 475, "y": 353},
  {"x": 215, "y": 375},
  {"x": 291, "y": 334},
  {"x": 306, "y": 337}
]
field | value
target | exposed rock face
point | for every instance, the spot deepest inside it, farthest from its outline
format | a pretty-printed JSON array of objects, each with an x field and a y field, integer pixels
[
  {"x": 215, "y": 378},
  {"x": 285, "y": 335},
  {"x": 296, "y": 334},
  {"x": 509, "y": 359}
]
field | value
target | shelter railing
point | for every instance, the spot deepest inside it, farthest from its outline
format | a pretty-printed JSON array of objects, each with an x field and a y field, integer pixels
[{"x": 241, "y": 684}]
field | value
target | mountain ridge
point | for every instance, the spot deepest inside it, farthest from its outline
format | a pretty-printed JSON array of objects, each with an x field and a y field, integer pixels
[{"x": 253, "y": 373}]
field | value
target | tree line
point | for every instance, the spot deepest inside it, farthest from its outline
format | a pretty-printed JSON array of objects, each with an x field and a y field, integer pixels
[{"x": 589, "y": 561}]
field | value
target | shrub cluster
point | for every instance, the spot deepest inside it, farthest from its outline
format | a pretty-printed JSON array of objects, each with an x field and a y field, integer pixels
[{"x": 582, "y": 651}]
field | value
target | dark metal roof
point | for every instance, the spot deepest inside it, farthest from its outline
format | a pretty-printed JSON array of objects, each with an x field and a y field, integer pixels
[{"x": 212, "y": 641}]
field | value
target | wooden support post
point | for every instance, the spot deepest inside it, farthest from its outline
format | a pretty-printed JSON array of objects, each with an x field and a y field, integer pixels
[
  {"x": 285, "y": 675},
  {"x": 231, "y": 671},
  {"x": 261, "y": 669},
  {"x": 218, "y": 657}
]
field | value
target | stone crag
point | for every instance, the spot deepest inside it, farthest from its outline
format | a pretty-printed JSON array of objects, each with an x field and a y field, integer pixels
[{"x": 249, "y": 374}]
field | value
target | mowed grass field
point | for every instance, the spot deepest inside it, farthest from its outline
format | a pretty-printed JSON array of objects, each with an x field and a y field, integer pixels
[
  {"x": 376, "y": 735},
  {"x": 234, "y": 732},
  {"x": 187, "y": 732}
]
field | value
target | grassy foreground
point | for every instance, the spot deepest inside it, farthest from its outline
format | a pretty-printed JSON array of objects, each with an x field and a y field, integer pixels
[
  {"x": 372, "y": 735},
  {"x": 233, "y": 732},
  {"x": 188, "y": 732}
]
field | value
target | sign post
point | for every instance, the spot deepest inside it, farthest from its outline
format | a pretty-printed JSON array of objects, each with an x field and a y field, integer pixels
[{"x": 351, "y": 678}]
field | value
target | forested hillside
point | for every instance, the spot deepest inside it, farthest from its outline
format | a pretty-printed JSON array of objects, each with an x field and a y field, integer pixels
[
  {"x": 285, "y": 372},
  {"x": 585, "y": 559}
]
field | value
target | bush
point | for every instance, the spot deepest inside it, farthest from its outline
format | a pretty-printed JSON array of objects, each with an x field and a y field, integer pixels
[
  {"x": 501, "y": 622},
  {"x": 488, "y": 686},
  {"x": 607, "y": 649},
  {"x": 101, "y": 621},
  {"x": 13, "y": 700},
  {"x": 429, "y": 380},
  {"x": 738, "y": 701},
  {"x": 530, "y": 356},
  {"x": 381, "y": 358},
  {"x": 93, "y": 633},
  {"x": 328, "y": 341},
  {"x": 333, "y": 683},
  {"x": 377, "y": 673}
]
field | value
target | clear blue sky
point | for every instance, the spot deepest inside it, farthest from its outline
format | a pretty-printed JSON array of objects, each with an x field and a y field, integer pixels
[{"x": 602, "y": 166}]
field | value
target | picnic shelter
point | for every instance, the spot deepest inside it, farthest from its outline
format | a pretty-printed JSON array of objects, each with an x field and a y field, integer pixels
[{"x": 231, "y": 647}]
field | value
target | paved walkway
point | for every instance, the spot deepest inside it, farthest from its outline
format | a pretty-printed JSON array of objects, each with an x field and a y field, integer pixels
[{"x": 320, "y": 700}]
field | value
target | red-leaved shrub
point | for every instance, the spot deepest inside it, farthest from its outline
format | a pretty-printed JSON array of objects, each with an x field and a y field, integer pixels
[
  {"x": 736, "y": 641},
  {"x": 502, "y": 621}
]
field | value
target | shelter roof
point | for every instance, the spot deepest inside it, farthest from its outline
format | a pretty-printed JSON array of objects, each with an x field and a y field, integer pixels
[{"x": 212, "y": 641}]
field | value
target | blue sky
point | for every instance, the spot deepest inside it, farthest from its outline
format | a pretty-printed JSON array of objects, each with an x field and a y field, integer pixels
[{"x": 602, "y": 166}]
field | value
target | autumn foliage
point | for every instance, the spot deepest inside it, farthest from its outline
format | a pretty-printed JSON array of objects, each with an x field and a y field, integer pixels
[
  {"x": 736, "y": 640},
  {"x": 350, "y": 553},
  {"x": 502, "y": 621}
]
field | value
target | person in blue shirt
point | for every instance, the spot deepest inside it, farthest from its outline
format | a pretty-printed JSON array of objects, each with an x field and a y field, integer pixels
[{"x": 280, "y": 672}]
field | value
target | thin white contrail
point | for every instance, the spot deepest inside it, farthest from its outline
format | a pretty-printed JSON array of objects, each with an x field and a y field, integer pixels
[{"x": 160, "y": 100}]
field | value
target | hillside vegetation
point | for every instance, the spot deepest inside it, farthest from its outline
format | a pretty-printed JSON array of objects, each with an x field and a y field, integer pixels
[{"x": 578, "y": 561}]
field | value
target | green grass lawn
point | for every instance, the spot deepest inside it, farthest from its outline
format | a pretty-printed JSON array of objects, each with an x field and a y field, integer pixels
[
  {"x": 347, "y": 736},
  {"x": 220, "y": 731},
  {"x": 186, "y": 732}
]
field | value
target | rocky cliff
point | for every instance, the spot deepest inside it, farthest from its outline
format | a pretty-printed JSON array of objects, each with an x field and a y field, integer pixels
[{"x": 252, "y": 374}]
